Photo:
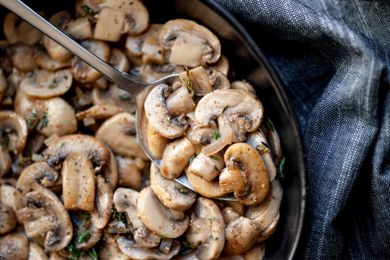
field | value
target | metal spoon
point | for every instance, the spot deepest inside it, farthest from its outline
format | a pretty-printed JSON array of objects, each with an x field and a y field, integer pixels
[{"x": 138, "y": 89}]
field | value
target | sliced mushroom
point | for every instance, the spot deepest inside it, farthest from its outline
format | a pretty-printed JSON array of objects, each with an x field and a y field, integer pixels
[
  {"x": 248, "y": 173},
  {"x": 46, "y": 84},
  {"x": 258, "y": 141},
  {"x": 152, "y": 72},
  {"x": 136, "y": 15},
  {"x": 207, "y": 229},
  {"x": 130, "y": 174},
  {"x": 199, "y": 79},
  {"x": 40, "y": 173},
  {"x": 157, "y": 218},
  {"x": 78, "y": 182},
  {"x": 176, "y": 157},
  {"x": 119, "y": 60},
  {"x": 229, "y": 215},
  {"x": 22, "y": 57},
  {"x": 109, "y": 25},
  {"x": 95, "y": 235},
  {"x": 208, "y": 189},
  {"x": 99, "y": 112},
  {"x": 53, "y": 218},
  {"x": 103, "y": 203},
  {"x": 190, "y": 44},
  {"x": 154, "y": 141},
  {"x": 221, "y": 65},
  {"x": 7, "y": 219},
  {"x": 158, "y": 115},
  {"x": 180, "y": 102},
  {"x": 16, "y": 31},
  {"x": 80, "y": 28},
  {"x": 13, "y": 131},
  {"x": 243, "y": 85},
  {"x": 243, "y": 232},
  {"x": 236, "y": 110},
  {"x": 14, "y": 246},
  {"x": 207, "y": 167},
  {"x": 3, "y": 85},
  {"x": 36, "y": 252},
  {"x": 11, "y": 198},
  {"x": 46, "y": 62},
  {"x": 77, "y": 144},
  {"x": 269, "y": 230},
  {"x": 171, "y": 194},
  {"x": 125, "y": 200},
  {"x": 273, "y": 140},
  {"x": 118, "y": 133},
  {"x": 110, "y": 173},
  {"x": 84, "y": 73},
  {"x": 113, "y": 96},
  {"x": 200, "y": 135},
  {"x": 110, "y": 250},
  {"x": 131, "y": 249}
]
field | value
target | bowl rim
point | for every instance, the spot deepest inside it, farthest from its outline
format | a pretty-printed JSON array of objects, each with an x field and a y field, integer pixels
[{"x": 278, "y": 87}]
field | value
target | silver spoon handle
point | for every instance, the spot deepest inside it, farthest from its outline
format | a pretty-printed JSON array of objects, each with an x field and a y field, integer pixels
[{"x": 33, "y": 18}]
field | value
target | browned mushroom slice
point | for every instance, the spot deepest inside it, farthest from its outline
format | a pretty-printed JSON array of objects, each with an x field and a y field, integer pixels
[
  {"x": 103, "y": 203},
  {"x": 99, "y": 112},
  {"x": 80, "y": 28},
  {"x": 207, "y": 229},
  {"x": 22, "y": 57},
  {"x": 14, "y": 246},
  {"x": 158, "y": 115},
  {"x": 131, "y": 249},
  {"x": 118, "y": 133},
  {"x": 78, "y": 182},
  {"x": 171, "y": 194},
  {"x": 176, "y": 157},
  {"x": 77, "y": 144},
  {"x": 46, "y": 62},
  {"x": 190, "y": 44},
  {"x": 44, "y": 215},
  {"x": 207, "y": 167},
  {"x": 40, "y": 173},
  {"x": 158, "y": 218},
  {"x": 248, "y": 173},
  {"x": 130, "y": 174},
  {"x": 84, "y": 73},
  {"x": 109, "y": 25},
  {"x": 136, "y": 15},
  {"x": 115, "y": 97},
  {"x": 7, "y": 219},
  {"x": 46, "y": 84},
  {"x": 16, "y": 31}
]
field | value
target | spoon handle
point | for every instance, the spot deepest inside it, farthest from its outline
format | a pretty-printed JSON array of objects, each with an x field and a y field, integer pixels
[{"x": 123, "y": 80}]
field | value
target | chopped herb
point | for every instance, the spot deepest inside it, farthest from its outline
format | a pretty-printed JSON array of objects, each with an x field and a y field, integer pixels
[
  {"x": 186, "y": 245},
  {"x": 216, "y": 135},
  {"x": 43, "y": 122},
  {"x": 213, "y": 238},
  {"x": 73, "y": 252},
  {"x": 189, "y": 83},
  {"x": 262, "y": 148},
  {"x": 87, "y": 10},
  {"x": 53, "y": 84},
  {"x": 85, "y": 218},
  {"x": 83, "y": 236},
  {"x": 62, "y": 145},
  {"x": 92, "y": 253},
  {"x": 212, "y": 218},
  {"x": 191, "y": 159},
  {"x": 281, "y": 167},
  {"x": 269, "y": 125},
  {"x": 32, "y": 121},
  {"x": 37, "y": 120},
  {"x": 183, "y": 190},
  {"x": 214, "y": 157},
  {"x": 124, "y": 97},
  {"x": 119, "y": 216}
]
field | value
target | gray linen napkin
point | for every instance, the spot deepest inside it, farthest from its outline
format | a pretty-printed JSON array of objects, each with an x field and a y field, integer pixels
[{"x": 332, "y": 56}]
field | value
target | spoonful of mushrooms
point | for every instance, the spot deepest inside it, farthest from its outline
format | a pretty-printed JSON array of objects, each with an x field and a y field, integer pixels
[{"x": 138, "y": 89}]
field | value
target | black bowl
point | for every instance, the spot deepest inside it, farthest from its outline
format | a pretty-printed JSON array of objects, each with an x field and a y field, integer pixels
[{"x": 247, "y": 62}]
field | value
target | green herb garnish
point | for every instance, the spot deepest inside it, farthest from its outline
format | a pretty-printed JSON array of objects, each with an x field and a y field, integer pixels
[
  {"x": 43, "y": 122},
  {"x": 216, "y": 135},
  {"x": 186, "y": 245},
  {"x": 212, "y": 218},
  {"x": 262, "y": 148},
  {"x": 37, "y": 120},
  {"x": 213, "y": 238},
  {"x": 83, "y": 236},
  {"x": 87, "y": 10},
  {"x": 281, "y": 167},
  {"x": 183, "y": 190},
  {"x": 124, "y": 97},
  {"x": 92, "y": 253},
  {"x": 73, "y": 252},
  {"x": 84, "y": 218},
  {"x": 214, "y": 157},
  {"x": 119, "y": 216},
  {"x": 62, "y": 145}
]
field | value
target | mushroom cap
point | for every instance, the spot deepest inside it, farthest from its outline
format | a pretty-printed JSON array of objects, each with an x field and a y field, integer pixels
[
  {"x": 207, "y": 229},
  {"x": 60, "y": 235},
  {"x": 157, "y": 218},
  {"x": 248, "y": 173},
  {"x": 171, "y": 194},
  {"x": 70, "y": 144},
  {"x": 10, "y": 121},
  {"x": 118, "y": 133},
  {"x": 46, "y": 84},
  {"x": 39, "y": 172},
  {"x": 46, "y": 62},
  {"x": 158, "y": 115},
  {"x": 206, "y": 47},
  {"x": 230, "y": 102},
  {"x": 14, "y": 246},
  {"x": 130, "y": 248},
  {"x": 109, "y": 25}
]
